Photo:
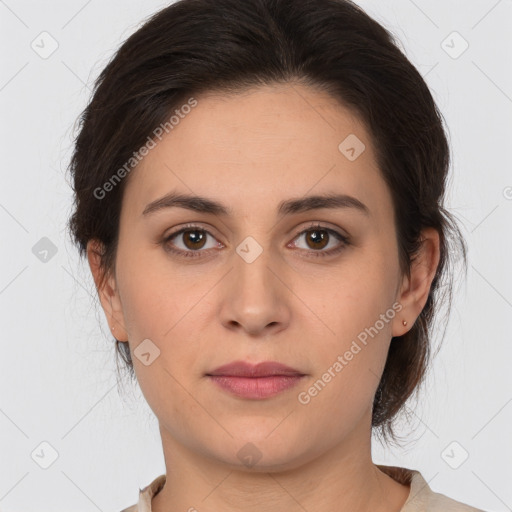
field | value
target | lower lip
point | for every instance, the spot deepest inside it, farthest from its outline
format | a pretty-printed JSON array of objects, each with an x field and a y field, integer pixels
[{"x": 256, "y": 387}]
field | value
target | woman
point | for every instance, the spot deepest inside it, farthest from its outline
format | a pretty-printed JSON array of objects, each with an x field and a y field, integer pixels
[{"x": 259, "y": 193}]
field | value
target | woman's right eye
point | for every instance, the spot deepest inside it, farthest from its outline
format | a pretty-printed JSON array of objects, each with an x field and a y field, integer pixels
[{"x": 192, "y": 240}]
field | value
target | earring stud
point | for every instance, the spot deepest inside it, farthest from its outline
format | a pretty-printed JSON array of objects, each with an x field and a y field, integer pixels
[{"x": 404, "y": 322}]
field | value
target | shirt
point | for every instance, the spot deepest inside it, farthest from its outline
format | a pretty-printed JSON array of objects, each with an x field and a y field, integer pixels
[{"x": 421, "y": 497}]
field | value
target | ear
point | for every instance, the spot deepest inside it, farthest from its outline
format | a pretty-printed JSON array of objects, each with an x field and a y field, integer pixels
[
  {"x": 414, "y": 291},
  {"x": 108, "y": 293}
]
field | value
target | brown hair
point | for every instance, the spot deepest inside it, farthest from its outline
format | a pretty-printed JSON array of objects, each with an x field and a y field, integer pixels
[{"x": 231, "y": 45}]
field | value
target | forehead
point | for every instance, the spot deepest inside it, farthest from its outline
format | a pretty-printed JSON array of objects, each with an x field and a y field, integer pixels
[{"x": 254, "y": 149}]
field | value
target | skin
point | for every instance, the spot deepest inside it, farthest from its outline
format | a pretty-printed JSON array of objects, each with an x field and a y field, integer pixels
[{"x": 250, "y": 151}]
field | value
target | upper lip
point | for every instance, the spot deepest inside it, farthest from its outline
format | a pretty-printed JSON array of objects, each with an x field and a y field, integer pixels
[{"x": 246, "y": 369}]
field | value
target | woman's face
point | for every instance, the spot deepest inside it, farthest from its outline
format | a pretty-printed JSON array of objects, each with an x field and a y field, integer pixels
[{"x": 259, "y": 284}]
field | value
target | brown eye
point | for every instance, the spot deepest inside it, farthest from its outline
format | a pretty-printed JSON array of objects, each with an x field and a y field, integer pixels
[
  {"x": 318, "y": 238},
  {"x": 194, "y": 238},
  {"x": 189, "y": 241}
]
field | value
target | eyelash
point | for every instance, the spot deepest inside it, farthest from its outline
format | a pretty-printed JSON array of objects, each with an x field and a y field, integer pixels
[{"x": 195, "y": 254}]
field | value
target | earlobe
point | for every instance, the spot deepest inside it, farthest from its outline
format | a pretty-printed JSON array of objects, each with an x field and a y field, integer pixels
[
  {"x": 107, "y": 289},
  {"x": 415, "y": 290}
]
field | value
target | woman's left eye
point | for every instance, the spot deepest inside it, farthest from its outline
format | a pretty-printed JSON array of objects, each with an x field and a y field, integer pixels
[
  {"x": 194, "y": 239},
  {"x": 319, "y": 237}
]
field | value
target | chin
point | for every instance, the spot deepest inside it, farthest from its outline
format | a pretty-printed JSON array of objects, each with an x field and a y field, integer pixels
[{"x": 258, "y": 451}]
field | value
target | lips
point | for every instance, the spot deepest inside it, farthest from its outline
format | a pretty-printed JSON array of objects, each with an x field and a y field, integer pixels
[
  {"x": 264, "y": 369},
  {"x": 255, "y": 382}
]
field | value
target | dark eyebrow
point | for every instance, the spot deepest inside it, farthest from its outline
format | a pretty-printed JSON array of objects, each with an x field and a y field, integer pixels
[{"x": 288, "y": 207}]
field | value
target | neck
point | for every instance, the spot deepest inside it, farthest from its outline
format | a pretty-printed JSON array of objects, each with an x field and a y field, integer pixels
[{"x": 342, "y": 477}]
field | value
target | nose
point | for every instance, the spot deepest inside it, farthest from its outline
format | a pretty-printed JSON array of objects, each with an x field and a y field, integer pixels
[{"x": 255, "y": 297}]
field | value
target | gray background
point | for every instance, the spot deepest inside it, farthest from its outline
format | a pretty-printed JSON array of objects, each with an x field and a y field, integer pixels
[{"x": 57, "y": 368}]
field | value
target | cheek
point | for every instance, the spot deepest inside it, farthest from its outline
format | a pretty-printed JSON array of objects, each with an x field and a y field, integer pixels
[
  {"x": 352, "y": 299},
  {"x": 348, "y": 368},
  {"x": 161, "y": 304},
  {"x": 152, "y": 292},
  {"x": 355, "y": 306},
  {"x": 158, "y": 308}
]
